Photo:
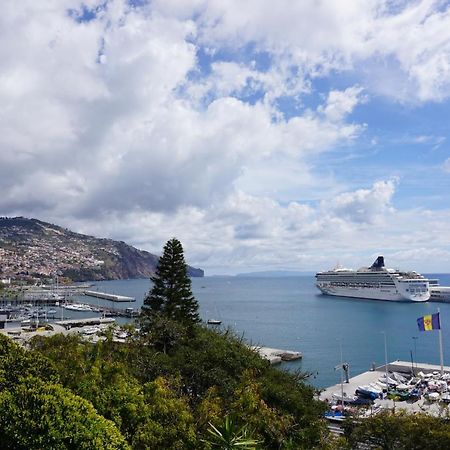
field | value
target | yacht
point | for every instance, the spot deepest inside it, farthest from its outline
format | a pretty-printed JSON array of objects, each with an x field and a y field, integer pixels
[{"x": 375, "y": 282}]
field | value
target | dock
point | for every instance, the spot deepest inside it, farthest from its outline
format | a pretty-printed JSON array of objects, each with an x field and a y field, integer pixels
[
  {"x": 440, "y": 294},
  {"x": 275, "y": 355},
  {"x": 371, "y": 376},
  {"x": 111, "y": 297}
]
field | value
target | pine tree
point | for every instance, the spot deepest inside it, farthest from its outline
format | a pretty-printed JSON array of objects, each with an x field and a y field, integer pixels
[{"x": 171, "y": 296}]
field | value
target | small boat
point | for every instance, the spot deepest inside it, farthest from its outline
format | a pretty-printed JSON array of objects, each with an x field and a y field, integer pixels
[
  {"x": 415, "y": 394},
  {"x": 378, "y": 387},
  {"x": 390, "y": 381},
  {"x": 334, "y": 416},
  {"x": 432, "y": 396},
  {"x": 90, "y": 330},
  {"x": 364, "y": 392},
  {"x": 77, "y": 307},
  {"x": 345, "y": 399},
  {"x": 399, "y": 378},
  {"x": 214, "y": 322},
  {"x": 398, "y": 396}
]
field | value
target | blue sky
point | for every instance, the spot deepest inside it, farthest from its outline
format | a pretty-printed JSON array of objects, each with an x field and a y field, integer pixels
[{"x": 265, "y": 135}]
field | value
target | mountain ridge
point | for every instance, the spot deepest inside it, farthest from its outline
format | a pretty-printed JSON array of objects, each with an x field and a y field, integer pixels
[{"x": 34, "y": 248}]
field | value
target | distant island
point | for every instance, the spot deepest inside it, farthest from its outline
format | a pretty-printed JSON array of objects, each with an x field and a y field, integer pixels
[
  {"x": 275, "y": 273},
  {"x": 30, "y": 248}
]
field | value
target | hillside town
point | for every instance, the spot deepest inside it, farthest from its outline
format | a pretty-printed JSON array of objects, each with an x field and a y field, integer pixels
[{"x": 27, "y": 254}]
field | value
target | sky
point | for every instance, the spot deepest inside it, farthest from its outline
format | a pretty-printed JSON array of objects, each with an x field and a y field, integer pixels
[{"x": 265, "y": 135}]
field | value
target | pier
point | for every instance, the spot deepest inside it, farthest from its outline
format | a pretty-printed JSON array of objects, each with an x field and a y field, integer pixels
[
  {"x": 111, "y": 297},
  {"x": 440, "y": 294},
  {"x": 275, "y": 355}
]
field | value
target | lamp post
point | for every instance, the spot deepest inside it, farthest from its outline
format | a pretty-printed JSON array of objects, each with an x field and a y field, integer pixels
[
  {"x": 415, "y": 350},
  {"x": 385, "y": 362}
]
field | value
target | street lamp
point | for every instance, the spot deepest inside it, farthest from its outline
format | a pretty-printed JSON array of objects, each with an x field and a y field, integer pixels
[
  {"x": 385, "y": 362},
  {"x": 415, "y": 349}
]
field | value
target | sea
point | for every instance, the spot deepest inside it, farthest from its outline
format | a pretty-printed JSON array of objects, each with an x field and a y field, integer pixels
[{"x": 290, "y": 313}]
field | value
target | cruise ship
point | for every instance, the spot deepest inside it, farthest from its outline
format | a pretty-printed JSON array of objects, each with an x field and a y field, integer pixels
[{"x": 375, "y": 282}]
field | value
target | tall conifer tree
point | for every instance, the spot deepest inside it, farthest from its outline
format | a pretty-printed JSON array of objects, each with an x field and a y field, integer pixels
[{"x": 171, "y": 295}]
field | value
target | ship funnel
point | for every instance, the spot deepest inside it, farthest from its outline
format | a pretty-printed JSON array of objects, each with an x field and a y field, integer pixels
[{"x": 379, "y": 263}]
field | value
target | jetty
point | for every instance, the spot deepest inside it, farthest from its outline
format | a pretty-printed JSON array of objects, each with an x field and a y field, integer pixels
[
  {"x": 275, "y": 355},
  {"x": 111, "y": 297}
]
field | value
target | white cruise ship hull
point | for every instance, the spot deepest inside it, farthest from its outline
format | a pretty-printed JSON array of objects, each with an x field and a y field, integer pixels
[
  {"x": 375, "y": 283},
  {"x": 372, "y": 294}
]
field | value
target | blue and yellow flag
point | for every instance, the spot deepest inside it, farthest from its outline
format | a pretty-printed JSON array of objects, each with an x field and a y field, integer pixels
[{"x": 429, "y": 322}]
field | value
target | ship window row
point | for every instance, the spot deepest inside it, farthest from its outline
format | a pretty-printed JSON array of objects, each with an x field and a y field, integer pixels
[
  {"x": 351, "y": 277},
  {"x": 371, "y": 285},
  {"x": 352, "y": 280}
]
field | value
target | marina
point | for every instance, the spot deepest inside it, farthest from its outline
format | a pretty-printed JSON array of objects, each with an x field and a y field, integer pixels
[{"x": 411, "y": 388}]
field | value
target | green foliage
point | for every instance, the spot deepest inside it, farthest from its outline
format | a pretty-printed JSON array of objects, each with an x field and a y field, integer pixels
[
  {"x": 213, "y": 358},
  {"x": 169, "y": 423},
  {"x": 171, "y": 295},
  {"x": 37, "y": 415},
  {"x": 165, "y": 333},
  {"x": 17, "y": 363},
  {"x": 399, "y": 431}
]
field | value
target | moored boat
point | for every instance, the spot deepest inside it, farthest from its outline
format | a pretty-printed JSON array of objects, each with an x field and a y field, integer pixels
[{"x": 214, "y": 322}]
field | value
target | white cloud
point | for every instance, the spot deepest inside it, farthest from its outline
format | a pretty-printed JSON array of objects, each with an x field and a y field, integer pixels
[
  {"x": 340, "y": 103},
  {"x": 404, "y": 47},
  {"x": 446, "y": 165},
  {"x": 364, "y": 205}
]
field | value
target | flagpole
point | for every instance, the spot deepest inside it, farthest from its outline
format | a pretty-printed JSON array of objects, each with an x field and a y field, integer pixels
[
  {"x": 440, "y": 343},
  {"x": 342, "y": 376}
]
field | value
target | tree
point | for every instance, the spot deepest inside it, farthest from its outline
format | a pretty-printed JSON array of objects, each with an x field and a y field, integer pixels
[
  {"x": 399, "y": 431},
  {"x": 37, "y": 415},
  {"x": 171, "y": 295},
  {"x": 169, "y": 421}
]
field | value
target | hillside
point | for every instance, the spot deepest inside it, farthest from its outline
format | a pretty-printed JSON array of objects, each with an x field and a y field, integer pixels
[{"x": 35, "y": 248}]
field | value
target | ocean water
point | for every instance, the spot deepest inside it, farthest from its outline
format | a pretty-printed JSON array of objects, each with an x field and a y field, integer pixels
[{"x": 290, "y": 313}]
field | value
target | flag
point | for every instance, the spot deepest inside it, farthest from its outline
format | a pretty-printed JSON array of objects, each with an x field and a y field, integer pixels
[{"x": 429, "y": 322}]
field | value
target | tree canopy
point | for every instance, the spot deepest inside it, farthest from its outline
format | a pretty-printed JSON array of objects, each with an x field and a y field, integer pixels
[{"x": 171, "y": 296}]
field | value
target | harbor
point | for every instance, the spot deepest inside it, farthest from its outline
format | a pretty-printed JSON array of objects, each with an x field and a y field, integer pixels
[{"x": 282, "y": 313}]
